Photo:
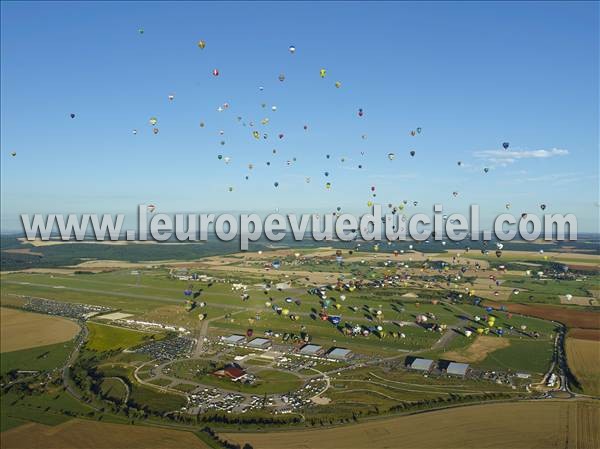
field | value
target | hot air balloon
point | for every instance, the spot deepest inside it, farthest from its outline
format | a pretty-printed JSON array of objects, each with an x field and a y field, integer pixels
[
  {"x": 276, "y": 184},
  {"x": 153, "y": 121},
  {"x": 292, "y": 49},
  {"x": 201, "y": 44},
  {"x": 171, "y": 97},
  {"x": 215, "y": 72},
  {"x": 328, "y": 185},
  {"x": 72, "y": 115},
  {"x": 412, "y": 153},
  {"x": 486, "y": 169},
  {"x": 419, "y": 130},
  {"x": 155, "y": 130},
  {"x": 543, "y": 206},
  {"x": 360, "y": 113},
  {"x": 505, "y": 145},
  {"x": 281, "y": 77},
  {"x": 338, "y": 84},
  {"x": 323, "y": 73},
  {"x": 391, "y": 156},
  {"x": 140, "y": 30},
  {"x": 13, "y": 154}
]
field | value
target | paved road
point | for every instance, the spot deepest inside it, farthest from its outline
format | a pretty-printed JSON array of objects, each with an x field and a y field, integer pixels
[{"x": 66, "y": 371}]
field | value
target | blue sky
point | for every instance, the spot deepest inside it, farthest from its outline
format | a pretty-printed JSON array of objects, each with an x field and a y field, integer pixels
[{"x": 471, "y": 75}]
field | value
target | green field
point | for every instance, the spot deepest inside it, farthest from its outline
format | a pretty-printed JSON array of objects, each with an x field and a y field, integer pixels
[
  {"x": 527, "y": 355},
  {"x": 268, "y": 382},
  {"x": 143, "y": 396},
  {"x": 42, "y": 358},
  {"x": 113, "y": 389},
  {"x": 103, "y": 337},
  {"x": 50, "y": 408}
]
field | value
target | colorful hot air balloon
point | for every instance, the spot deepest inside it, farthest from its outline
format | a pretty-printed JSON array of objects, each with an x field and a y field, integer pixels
[
  {"x": 323, "y": 73},
  {"x": 292, "y": 49},
  {"x": 201, "y": 44},
  {"x": 215, "y": 72}
]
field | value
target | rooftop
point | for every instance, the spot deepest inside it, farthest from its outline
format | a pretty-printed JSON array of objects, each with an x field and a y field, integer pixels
[
  {"x": 259, "y": 342},
  {"x": 339, "y": 353},
  {"x": 234, "y": 339},
  {"x": 422, "y": 364},
  {"x": 310, "y": 349},
  {"x": 459, "y": 369}
]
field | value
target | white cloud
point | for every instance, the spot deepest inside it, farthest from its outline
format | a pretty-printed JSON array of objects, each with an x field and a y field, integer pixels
[{"x": 504, "y": 158}]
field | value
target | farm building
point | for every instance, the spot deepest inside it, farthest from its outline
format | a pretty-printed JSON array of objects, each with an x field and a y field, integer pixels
[
  {"x": 421, "y": 364},
  {"x": 260, "y": 343},
  {"x": 339, "y": 353},
  {"x": 232, "y": 371},
  {"x": 234, "y": 339},
  {"x": 457, "y": 369}
]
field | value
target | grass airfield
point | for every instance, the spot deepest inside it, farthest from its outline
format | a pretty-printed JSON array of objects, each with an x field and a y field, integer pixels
[{"x": 425, "y": 282}]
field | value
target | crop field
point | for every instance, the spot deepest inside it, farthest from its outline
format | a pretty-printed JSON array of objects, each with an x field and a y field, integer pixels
[
  {"x": 80, "y": 434},
  {"x": 104, "y": 337},
  {"x": 569, "y": 316},
  {"x": 24, "y": 330},
  {"x": 527, "y": 425},
  {"x": 584, "y": 360}
]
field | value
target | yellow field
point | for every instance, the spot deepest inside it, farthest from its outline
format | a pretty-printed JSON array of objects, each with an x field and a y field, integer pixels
[
  {"x": 583, "y": 357},
  {"x": 80, "y": 434},
  {"x": 23, "y": 330},
  {"x": 531, "y": 425},
  {"x": 478, "y": 350}
]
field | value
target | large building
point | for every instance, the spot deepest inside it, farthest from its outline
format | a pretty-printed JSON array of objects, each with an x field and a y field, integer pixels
[
  {"x": 339, "y": 353},
  {"x": 311, "y": 349},
  {"x": 421, "y": 364},
  {"x": 260, "y": 343},
  {"x": 233, "y": 372},
  {"x": 457, "y": 369},
  {"x": 234, "y": 339}
]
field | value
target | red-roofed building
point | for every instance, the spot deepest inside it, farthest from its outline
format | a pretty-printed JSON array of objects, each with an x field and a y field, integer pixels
[{"x": 233, "y": 372}]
